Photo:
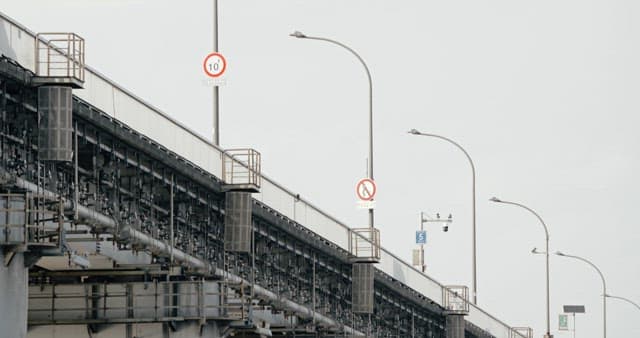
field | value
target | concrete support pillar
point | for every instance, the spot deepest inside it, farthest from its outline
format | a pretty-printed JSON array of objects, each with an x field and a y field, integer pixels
[
  {"x": 13, "y": 295},
  {"x": 455, "y": 326}
]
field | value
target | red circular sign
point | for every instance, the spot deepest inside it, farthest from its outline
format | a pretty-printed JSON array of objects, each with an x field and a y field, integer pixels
[
  {"x": 366, "y": 189},
  {"x": 214, "y": 64}
]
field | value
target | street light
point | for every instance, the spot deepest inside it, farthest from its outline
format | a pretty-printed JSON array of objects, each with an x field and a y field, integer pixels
[
  {"x": 300, "y": 35},
  {"x": 474, "y": 290},
  {"x": 604, "y": 288},
  {"x": 624, "y": 299},
  {"x": 546, "y": 253}
]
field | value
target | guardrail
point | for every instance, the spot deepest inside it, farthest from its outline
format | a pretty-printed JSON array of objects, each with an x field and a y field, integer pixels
[
  {"x": 153, "y": 301},
  {"x": 31, "y": 220},
  {"x": 59, "y": 55},
  {"x": 143, "y": 117},
  {"x": 364, "y": 244},
  {"x": 241, "y": 169}
]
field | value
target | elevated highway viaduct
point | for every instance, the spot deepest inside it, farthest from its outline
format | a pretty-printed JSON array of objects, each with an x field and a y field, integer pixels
[{"x": 136, "y": 228}]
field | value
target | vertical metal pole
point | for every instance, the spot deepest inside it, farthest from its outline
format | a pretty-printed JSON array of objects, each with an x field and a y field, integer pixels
[
  {"x": 574, "y": 325},
  {"x": 201, "y": 299},
  {"x": 546, "y": 233},
  {"x": 413, "y": 327},
  {"x": 171, "y": 216},
  {"x": 474, "y": 278},
  {"x": 49, "y": 59},
  {"x": 75, "y": 172},
  {"x": 253, "y": 259},
  {"x": 422, "y": 266},
  {"x": 604, "y": 290},
  {"x": 371, "y": 219},
  {"x": 129, "y": 307},
  {"x": 68, "y": 55},
  {"x": 313, "y": 292},
  {"x": 3, "y": 106},
  {"x": 475, "y": 264},
  {"x": 216, "y": 103},
  {"x": 604, "y": 305},
  {"x": 548, "y": 319}
]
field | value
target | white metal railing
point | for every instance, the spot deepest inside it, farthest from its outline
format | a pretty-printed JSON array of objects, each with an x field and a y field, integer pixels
[
  {"x": 456, "y": 299},
  {"x": 31, "y": 220},
  {"x": 59, "y": 55},
  {"x": 51, "y": 303},
  {"x": 364, "y": 244},
  {"x": 526, "y": 332},
  {"x": 143, "y": 117},
  {"x": 241, "y": 167}
]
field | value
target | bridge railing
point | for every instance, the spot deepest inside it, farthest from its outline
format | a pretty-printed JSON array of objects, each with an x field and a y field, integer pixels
[
  {"x": 292, "y": 206},
  {"x": 158, "y": 127},
  {"x": 120, "y": 302}
]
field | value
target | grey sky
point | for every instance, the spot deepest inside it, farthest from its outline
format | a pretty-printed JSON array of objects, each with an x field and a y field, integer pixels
[{"x": 542, "y": 94}]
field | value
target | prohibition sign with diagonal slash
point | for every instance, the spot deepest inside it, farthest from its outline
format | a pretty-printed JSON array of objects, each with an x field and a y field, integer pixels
[{"x": 366, "y": 189}]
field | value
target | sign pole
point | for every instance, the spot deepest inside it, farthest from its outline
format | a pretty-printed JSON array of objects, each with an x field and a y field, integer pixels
[
  {"x": 422, "y": 266},
  {"x": 216, "y": 97}
]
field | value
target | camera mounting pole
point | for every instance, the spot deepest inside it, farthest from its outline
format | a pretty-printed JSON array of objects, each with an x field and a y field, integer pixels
[{"x": 421, "y": 237}]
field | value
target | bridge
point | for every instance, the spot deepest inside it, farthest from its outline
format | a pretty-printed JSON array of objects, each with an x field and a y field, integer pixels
[{"x": 118, "y": 221}]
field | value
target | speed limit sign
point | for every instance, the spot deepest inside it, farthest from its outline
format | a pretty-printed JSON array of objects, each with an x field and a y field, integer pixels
[{"x": 214, "y": 65}]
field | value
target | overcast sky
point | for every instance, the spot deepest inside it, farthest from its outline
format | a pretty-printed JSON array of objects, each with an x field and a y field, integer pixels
[{"x": 542, "y": 94}]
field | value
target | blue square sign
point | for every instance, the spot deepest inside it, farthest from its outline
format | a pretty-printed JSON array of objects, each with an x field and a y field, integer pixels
[{"x": 421, "y": 237}]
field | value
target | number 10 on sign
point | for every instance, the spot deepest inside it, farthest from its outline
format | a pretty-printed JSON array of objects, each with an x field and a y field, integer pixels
[{"x": 214, "y": 65}]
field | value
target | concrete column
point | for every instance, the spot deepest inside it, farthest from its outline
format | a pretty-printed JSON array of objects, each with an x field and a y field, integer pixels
[
  {"x": 455, "y": 326},
  {"x": 13, "y": 295}
]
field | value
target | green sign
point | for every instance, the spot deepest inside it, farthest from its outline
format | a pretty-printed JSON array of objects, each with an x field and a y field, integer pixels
[{"x": 563, "y": 323}]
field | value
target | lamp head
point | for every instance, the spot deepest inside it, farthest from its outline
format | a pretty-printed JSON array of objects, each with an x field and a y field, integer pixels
[
  {"x": 495, "y": 199},
  {"x": 298, "y": 34},
  {"x": 534, "y": 250},
  {"x": 560, "y": 253},
  {"x": 414, "y": 132}
]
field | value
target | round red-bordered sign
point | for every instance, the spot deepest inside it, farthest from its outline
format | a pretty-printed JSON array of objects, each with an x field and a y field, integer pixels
[
  {"x": 209, "y": 67},
  {"x": 366, "y": 189}
]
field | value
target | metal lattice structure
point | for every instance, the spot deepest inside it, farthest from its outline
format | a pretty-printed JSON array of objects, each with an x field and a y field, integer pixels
[
  {"x": 143, "y": 206},
  {"x": 124, "y": 193}
]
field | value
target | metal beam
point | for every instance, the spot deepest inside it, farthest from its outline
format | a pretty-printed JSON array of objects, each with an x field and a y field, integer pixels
[{"x": 159, "y": 247}]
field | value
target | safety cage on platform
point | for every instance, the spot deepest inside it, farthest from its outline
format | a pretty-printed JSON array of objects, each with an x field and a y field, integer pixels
[
  {"x": 364, "y": 244},
  {"x": 456, "y": 299},
  {"x": 241, "y": 169},
  {"x": 60, "y": 55}
]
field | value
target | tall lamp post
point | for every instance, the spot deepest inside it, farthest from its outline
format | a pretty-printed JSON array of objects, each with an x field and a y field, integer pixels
[
  {"x": 604, "y": 288},
  {"x": 546, "y": 231},
  {"x": 474, "y": 290},
  {"x": 300, "y": 35},
  {"x": 624, "y": 299}
]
